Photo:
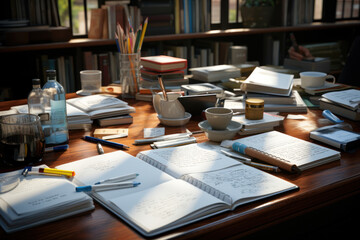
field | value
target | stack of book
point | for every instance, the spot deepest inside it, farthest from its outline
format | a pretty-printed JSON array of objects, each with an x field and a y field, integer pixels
[
  {"x": 344, "y": 103},
  {"x": 267, "y": 123},
  {"x": 275, "y": 88},
  {"x": 171, "y": 70},
  {"x": 105, "y": 110},
  {"x": 215, "y": 73}
]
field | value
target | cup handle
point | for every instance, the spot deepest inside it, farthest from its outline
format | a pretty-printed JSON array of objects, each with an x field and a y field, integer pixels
[{"x": 330, "y": 77}]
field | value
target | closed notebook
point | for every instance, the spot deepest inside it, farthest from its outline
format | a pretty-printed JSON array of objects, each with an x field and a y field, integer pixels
[
  {"x": 178, "y": 185},
  {"x": 163, "y": 63},
  {"x": 269, "y": 82},
  {"x": 291, "y": 149}
]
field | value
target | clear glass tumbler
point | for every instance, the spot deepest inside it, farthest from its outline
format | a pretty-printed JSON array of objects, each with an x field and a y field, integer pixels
[
  {"x": 22, "y": 140},
  {"x": 129, "y": 74}
]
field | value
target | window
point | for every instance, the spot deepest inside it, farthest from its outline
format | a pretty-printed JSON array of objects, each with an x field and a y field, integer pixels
[{"x": 76, "y": 14}]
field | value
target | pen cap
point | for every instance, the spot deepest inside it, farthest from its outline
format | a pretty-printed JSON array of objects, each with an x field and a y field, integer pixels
[{"x": 83, "y": 189}]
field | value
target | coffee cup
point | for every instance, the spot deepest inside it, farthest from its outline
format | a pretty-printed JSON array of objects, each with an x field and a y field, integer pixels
[
  {"x": 314, "y": 79},
  {"x": 218, "y": 117},
  {"x": 168, "y": 108}
]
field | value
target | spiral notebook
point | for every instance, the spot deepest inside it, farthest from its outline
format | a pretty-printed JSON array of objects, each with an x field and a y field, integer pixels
[
  {"x": 178, "y": 185},
  {"x": 290, "y": 149}
]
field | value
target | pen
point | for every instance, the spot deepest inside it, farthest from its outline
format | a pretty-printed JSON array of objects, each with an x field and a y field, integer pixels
[
  {"x": 105, "y": 187},
  {"x": 119, "y": 179},
  {"x": 248, "y": 161},
  {"x": 105, "y": 142},
  {"x": 57, "y": 148},
  {"x": 67, "y": 173},
  {"x": 99, "y": 148},
  {"x": 162, "y": 138},
  {"x": 242, "y": 148}
]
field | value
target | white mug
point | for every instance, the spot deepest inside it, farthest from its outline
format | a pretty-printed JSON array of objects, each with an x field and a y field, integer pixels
[
  {"x": 170, "y": 108},
  {"x": 314, "y": 79}
]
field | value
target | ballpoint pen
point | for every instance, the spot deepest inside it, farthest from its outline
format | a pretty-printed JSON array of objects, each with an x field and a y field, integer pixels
[
  {"x": 108, "y": 186},
  {"x": 105, "y": 142},
  {"x": 57, "y": 148},
  {"x": 118, "y": 179},
  {"x": 30, "y": 169}
]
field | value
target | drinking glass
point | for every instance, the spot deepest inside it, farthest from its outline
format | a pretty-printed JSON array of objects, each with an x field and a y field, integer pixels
[
  {"x": 129, "y": 74},
  {"x": 22, "y": 140}
]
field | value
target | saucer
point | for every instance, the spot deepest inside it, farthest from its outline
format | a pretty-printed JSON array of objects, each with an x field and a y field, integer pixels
[
  {"x": 175, "y": 121},
  {"x": 220, "y": 135},
  {"x": 85, "y": 93}
]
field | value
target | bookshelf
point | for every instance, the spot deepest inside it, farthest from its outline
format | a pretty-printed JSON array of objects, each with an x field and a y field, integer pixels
[{"x": 20, "y": 62}]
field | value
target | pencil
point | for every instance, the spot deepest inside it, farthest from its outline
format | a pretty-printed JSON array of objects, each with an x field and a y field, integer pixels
[{"x": 143, "y": 33}]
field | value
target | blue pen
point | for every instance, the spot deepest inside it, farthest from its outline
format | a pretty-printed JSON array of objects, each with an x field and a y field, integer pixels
[
  {"x": 105, "y": 187},
  {"x": 104, "y": 142},
  {"x": 57, "y": 148}
]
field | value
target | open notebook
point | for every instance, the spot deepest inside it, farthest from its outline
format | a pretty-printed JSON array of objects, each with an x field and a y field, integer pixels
[{"x": 187, "y": 184}]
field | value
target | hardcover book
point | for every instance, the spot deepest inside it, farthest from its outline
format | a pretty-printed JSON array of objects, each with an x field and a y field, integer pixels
[{"x": 163, "y": 63}]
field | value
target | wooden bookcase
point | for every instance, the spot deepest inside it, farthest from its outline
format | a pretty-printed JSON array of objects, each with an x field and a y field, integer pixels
[{"x": 19, "y": 64}]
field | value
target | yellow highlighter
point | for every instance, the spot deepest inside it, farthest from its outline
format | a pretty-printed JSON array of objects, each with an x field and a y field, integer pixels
[{"x": 67, "y": 173}]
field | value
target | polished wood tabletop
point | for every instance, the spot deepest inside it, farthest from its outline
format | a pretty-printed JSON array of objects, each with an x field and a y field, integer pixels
[{"x": 318, "y": 186}]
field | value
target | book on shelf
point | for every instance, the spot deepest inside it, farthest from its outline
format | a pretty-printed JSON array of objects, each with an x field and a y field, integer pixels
[
  {"x": 116, "y": 120},
  {"x": 38, "y": 199},
  {"x": 290, "y": 149},
  {"x": 179, "y": 185},
  {"x": 339, "y": 109},
  {"x": 215, "y": 73},
  {"x": 163, "y": 63},
  {"x": 298, "y": 106},
  {"x": 97, "y": 16},
  {"x": 269, "y": 82}
]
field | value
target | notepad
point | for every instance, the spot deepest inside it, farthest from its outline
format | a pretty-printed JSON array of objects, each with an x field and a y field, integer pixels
[
  {"x": 178, "y": 185},
  {"x": 40, "y": 199}
]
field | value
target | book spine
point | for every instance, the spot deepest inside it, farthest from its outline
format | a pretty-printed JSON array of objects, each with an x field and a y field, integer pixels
[
  {"x": 151, "y": 161},
  {"x": 207, "y": 188}
]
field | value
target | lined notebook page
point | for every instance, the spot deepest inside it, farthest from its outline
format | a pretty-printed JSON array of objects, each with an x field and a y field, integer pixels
[
  {"x": 191, "y": 158},
  {"x": 239, "y": 184}
]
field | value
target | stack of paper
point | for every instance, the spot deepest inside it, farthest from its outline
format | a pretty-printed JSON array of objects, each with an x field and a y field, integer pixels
[
  {"x": 39, "y": 199},
  {"x": 267, "y": 123}
]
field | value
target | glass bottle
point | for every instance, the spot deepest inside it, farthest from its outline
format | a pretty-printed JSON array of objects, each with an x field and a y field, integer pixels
[
  {"x": 36, "y": 99},
  {"x": 56, "y": 131}
]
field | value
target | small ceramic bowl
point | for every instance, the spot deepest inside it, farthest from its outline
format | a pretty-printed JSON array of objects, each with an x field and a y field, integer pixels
[{"x": 175, "y": 122}]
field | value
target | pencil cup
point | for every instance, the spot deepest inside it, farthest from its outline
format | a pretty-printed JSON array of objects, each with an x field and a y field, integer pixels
[{"x": 129, "y": 74}]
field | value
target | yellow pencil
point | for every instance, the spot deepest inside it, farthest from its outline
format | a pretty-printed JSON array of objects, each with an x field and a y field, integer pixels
[{"x": 143, "y": 34}]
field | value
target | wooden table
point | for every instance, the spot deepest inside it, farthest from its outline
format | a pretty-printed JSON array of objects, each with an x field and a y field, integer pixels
[{"x": 319, "y": 187}]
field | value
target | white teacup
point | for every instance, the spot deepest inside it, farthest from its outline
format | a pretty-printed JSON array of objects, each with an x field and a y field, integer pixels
[
  {"x": 170, "y": 108},
  {"x": 314, "y": 79},
  {"x": 218, "y": 117}
]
